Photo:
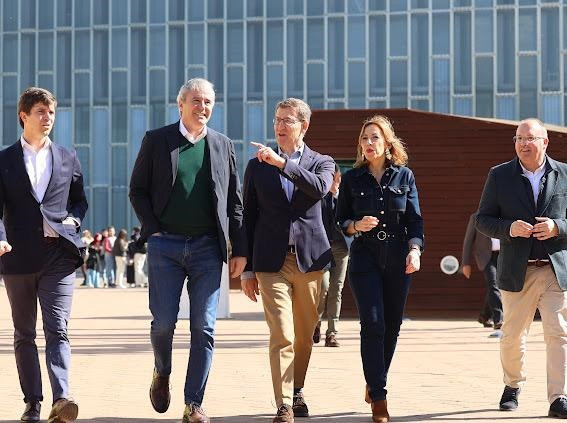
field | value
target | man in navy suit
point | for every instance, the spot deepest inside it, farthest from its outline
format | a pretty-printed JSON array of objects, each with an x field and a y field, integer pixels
[
  {"x": 186, "y": 193},
  {"x": 287, "y": 248},
  {"x": 42, "y": 203}
]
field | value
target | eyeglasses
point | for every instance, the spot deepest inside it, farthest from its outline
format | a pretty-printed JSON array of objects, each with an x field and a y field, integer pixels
[
  {"x": 526, "y": 140},
  {"x": 286, "y": 121}
]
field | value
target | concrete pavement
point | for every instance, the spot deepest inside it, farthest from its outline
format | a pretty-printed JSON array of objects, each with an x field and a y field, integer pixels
[{"x": 443, "y": 371}]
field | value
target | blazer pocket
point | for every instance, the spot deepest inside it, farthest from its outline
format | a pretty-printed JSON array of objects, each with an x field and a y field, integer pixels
[
  {"x": 398, "y": 197},
  {"x": 363, "y": 201}
]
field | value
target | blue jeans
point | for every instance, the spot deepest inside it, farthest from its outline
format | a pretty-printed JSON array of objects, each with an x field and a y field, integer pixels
[
  {"x": 171, "y": 259},
  {"x": 380, "y": 296}
]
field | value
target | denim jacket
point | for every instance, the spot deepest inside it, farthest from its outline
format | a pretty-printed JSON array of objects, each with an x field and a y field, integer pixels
[{"x": 394, "y": 202}]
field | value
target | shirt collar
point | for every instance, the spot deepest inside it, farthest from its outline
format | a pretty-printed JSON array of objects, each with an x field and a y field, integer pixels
[
  {"x": 540, "y": 170},
  {"x": 188, "y": 136},
  {"x": 26, "y": 146},
  {"x": 296, "y": 154}
]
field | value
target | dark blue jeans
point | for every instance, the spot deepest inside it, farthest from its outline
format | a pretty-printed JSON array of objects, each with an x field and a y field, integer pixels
[
  {"x": 380, "y": 296},
  {"x": 171, "y": 259}
]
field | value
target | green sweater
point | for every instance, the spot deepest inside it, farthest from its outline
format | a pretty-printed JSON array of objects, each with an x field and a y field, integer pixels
[{"x": 190, "y": 210}]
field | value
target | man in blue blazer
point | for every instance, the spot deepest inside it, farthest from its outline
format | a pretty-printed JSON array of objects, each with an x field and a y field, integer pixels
[
  {"x": 42, "y": 203},
  {"x": 524, "y": 204},
  {"x": 186, "y": 193},
  {"x": 287, "y": 248}
]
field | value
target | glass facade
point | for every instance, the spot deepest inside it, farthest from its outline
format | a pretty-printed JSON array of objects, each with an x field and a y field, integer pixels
[{"x": 116, "y": 66}]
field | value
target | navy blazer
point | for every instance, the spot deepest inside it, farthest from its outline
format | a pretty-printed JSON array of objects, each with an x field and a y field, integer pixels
[
  {"x": 269, "y": 215},
  {"x": 154, "y": 175},
  {"x": 21, "y": 215},
  {"x": 505, "y": 199}
]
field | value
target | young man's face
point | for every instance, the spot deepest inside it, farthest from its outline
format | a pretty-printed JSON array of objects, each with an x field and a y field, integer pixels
[{"x": 40, "y": 119}]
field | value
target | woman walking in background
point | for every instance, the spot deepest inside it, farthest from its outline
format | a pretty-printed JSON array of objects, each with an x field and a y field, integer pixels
[{"x": 119, "y": 251}]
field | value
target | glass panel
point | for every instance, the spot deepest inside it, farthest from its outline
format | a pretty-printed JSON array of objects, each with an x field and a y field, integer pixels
[
  {"x": 195, "y": 44},
  {"x": 28, "y": 17},
  {"x": 9, "y": 102},
  {"x": 483, "y": 3},
  {"x": 119, "y": 108},
  {"x": 138, "y": 70},
  {"x": 100, "y": 212},
  {"x": 216, "y": 58},
  {"x": 441, "y": 85},
  {"x": 82, "y": 49},
  {"x": 315, "y": 7},
  {"x": 119, "y": 48},
  {"x": 119, "y": 12},
  {"x": 173, "y": 113},
  {"x": 235, "y": 9},
  {"x": 101, "y": 12},
  {"x": 398, "y": 35},
  {"x": 275, "y": 40},
  {"x": 377, "y": 54},
  {"x": 399, "y": 83},
  {"x": 176, "y": 10},
  {"x": 419, "y": 4},
  {"x": 295, "y": 58},
  {"x": 484, "y": 87},
  {"x": 64, "y": 12},
  {"x": 27, "y": 61},
  {"x": 463, "y": 106},
  {"x": 440, "y": 33},
  {"x": 336, "y": 105},
  {"x": 82, "y": 13},
  {"x": 505, "y": 51},
  {"x": 504, "y": 2},
  {"x": 138, "y": 127},
  {"x": 483, "y": 31},
  {"x": 254, "y": 8},
  {"x": 528, "y": 86},
  {"x": 255, "y": 71},
  {"x": 356, "y": 37},
  {"x": 119, "y": 166},
  {"x": 82, "y": 125},
  {"x": 157, "y": 98},
  {"x": 336, "y": 57},
  {"x": 550, "y": 55},
  {"x": 527, "y": 33},
  {"x": 316, "y": 37},
  {"x": 275, "y": 9},
  {"x": 356, "y": 85},
  {"x": 335, "y": 6},
  {"x": 552, "y": 108},
  {"x": 235, "y": 109},
  {"x": 217, "y": 118},
  {"x": 196, "y": 10},
  {"x": 82, "y": 89},
  {"x": 506, "y": 107},
  {"x": 46, "y": 17},
  {"x": 120, "y": 207},
  {"x": 46, "y": 81},
  {"x": 315, "y": 85},
  {"x": 157, "y": 10},
  {"x": 214, "y": 9},
  {"x": 420, "y": 104},
  {"x": 158, "y": 46},
  {"x": 462, "y": 53},
  {"x": 530, "y": 2},
  {"x": 255, "y": 122},
  {"x": 83, "y": 156},
  {"x": 462, "y": 3},
  {"x": 377, "y": 4},
  {"x": 10, "y": 53},
  {"x": 63, "y": 71},
  {"x": 63, "y": 129},
  {"x": 377, "y": 104},
  {"x": 176, "y": 61},
  {"x": 356, "y": 6},
  {"x": 295, "y": 7},
  {"x": 274, "y": 93},
  {"x": 100, "y": 147},
  {"x": 138, "y": 11},
  {"x": 398, "y": 5},
  {"x": 420, "y": 54},
  {"x": 239, "y": 153},
  {"x": 235, "y": 41}
]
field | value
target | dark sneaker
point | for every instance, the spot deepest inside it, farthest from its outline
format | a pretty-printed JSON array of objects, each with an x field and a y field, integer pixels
[
  {"x": 63, "y": 411},
  {"x": 485, "y": 321},
  {"x": 317, "y": 333},
  {"x": 331, "y": 341},
  {"x": 31, "y": 413},
  {"x": 497, "y": 326},
  {"x": 284, "y": 414},
  {"x": 509, "y": 400},
  {"x": 558, "y": 408},
  {"x": 194, "y": 414},
  {"x": 159, "y": 392},
  {"x": 299, "y": 407}
]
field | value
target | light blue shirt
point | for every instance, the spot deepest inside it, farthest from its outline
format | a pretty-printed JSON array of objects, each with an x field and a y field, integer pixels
[{"x": 287, "y": 185}]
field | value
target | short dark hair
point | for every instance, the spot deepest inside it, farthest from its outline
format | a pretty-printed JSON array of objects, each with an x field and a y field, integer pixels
[{"x": 30, "y": 97}]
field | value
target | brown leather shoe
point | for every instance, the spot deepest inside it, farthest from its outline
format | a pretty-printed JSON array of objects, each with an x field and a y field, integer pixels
[
  {"x": 159, "y": 392},
  {"x": 331, "y": 341},
  {"x": 63, "y": 411},
  {"x": 194, "y": 414},
  {"x": 31, "y": 412},
  {"x": 380, "y": 411},
  {"x": 284, "y": 414},
  {"x": 317, "y": 333}
]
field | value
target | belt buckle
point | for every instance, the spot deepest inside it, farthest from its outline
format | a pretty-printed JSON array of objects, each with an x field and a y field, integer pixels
[{"x": 381, "y": 235}]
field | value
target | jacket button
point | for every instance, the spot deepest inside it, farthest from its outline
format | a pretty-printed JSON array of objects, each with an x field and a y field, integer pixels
[
  {"x": 381, "y": 211},
  {"x": 383, "y": 225}
]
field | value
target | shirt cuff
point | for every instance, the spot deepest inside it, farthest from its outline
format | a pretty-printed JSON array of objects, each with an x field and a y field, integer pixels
[
  {"x": 416, "y": 241},
  {"x": 247, "y": 275}
]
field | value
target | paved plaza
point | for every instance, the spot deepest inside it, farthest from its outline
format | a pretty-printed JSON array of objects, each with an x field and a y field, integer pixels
[{"x": 444, "y": 370}]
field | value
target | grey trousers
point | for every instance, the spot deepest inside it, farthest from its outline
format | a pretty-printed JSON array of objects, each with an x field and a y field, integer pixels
[
  {"x": 53, "y": 287},
  {"x": 330, "y": 298}
]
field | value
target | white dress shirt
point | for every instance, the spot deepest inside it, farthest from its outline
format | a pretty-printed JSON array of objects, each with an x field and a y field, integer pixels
[
  {"x": 39, "y": 165},
  {"x": 193, "y": 140},
  {"x": 535, "y": 179}
]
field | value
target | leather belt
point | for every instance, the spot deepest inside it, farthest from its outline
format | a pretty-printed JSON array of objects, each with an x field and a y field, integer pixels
[
  {"x": 291, "y": 249},
  {"x": 538, "y": 263},
  {"x": 381, "y": 235}
]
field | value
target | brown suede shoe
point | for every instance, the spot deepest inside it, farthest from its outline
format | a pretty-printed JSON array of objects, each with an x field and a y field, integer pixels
[
  {"x": 367, "y": 394},
  {"x": 194, "y": 414},
  {"x": 284, "y": 414},
  {"x": 380, "y": 411},
  {"x": 63, "y": 411},
  {"x": 159, "y": 392},
  {"x": 331, "y": 341}
]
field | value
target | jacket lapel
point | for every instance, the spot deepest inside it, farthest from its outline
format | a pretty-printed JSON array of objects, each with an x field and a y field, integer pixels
[
  {"x": 174, "y": 141},
  {"x": 304, "y": 162},
  {"x": 549, "y": 188},
  {"x": 521, "y": 185},
  {"x": 56, "y": 165},
  {"x": 20, "y": 167}
]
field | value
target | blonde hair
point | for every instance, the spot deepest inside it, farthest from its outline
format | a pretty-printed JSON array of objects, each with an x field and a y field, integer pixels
[{"x": 398, "y": 154}]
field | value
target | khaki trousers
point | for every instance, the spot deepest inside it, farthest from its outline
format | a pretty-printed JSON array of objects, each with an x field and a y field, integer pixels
[
  {"x": 290, "y": 301},
  {"x": 541, "y": 291}
]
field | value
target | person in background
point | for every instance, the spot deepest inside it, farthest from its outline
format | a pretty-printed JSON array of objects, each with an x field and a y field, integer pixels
[
  {"x": 138, "y": 249},
  {"x": 119, "y": 253},
  {"x": 87, "y": 238},
  {"x": 94, "y": 261},
  {"x": 109, "y": 262}
]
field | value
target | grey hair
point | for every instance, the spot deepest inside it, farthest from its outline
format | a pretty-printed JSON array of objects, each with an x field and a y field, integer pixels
[
  {"x": 302, "y": 108},
  {"x": 195, "y": 84},
  {"x": 534, "y": 121}
]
